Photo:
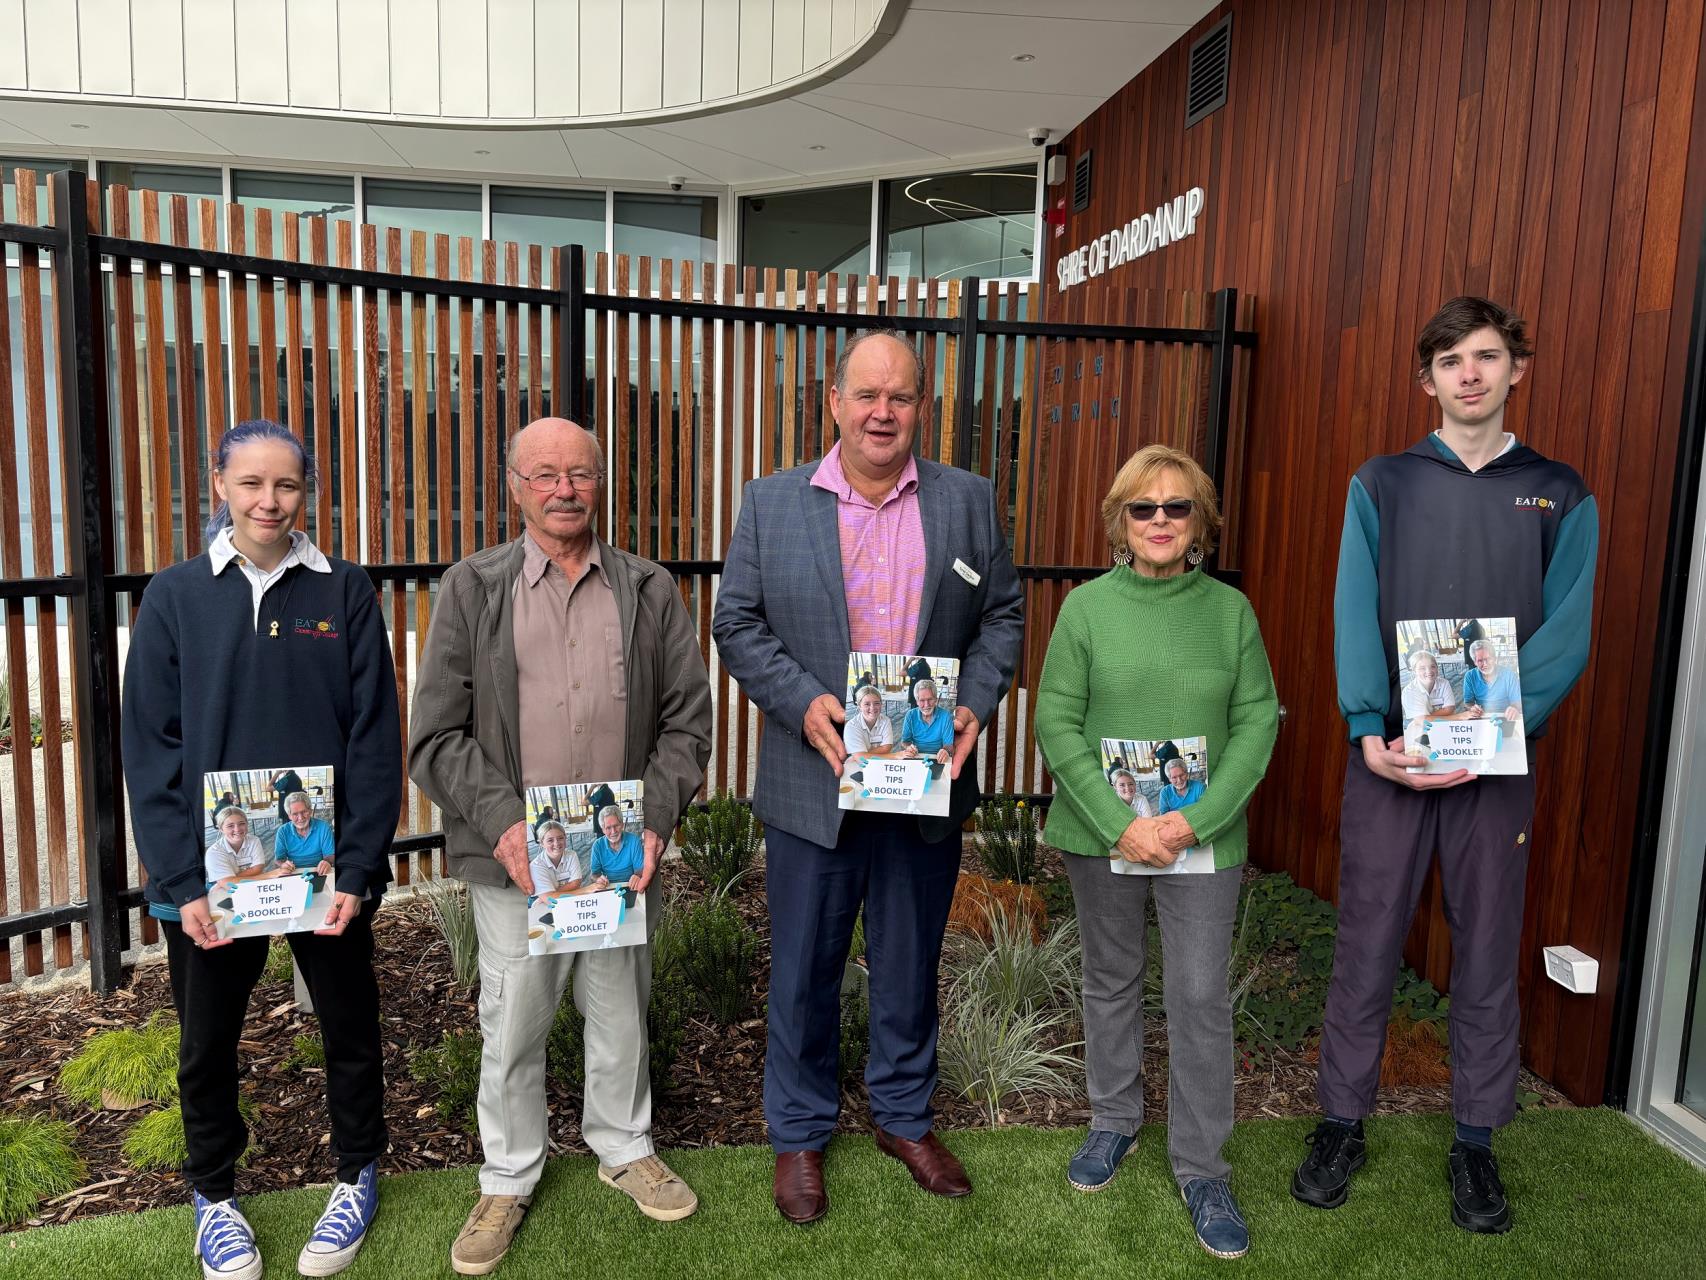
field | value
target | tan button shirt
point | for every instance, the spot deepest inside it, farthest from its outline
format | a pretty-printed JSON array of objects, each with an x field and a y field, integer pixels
[{"x": 570, "y": 677}]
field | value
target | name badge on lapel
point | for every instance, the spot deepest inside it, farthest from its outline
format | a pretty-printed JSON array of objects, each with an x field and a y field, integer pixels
[{"x": 967, "y": 572}]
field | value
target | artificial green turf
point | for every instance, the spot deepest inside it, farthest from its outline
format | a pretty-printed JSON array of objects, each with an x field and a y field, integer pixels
[{"x": 1592, "y": 1194}]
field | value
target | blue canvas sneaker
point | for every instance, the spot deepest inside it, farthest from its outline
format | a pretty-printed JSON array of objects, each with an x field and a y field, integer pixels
[
  {"x": 1214, "y": 1213},
  {"x": 224, "y": 1240},
  {"x": 338, "y": 1235},
  {"x": 1093, "y": 1167}
]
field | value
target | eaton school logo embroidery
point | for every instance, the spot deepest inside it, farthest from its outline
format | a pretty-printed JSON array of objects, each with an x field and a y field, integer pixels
[
  {"x": 317, "y": 628},
  {"x": 1539, "y": 504}
]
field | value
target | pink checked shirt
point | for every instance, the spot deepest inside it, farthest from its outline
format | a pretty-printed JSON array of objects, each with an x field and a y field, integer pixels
[{"x": 882, "y": 558}]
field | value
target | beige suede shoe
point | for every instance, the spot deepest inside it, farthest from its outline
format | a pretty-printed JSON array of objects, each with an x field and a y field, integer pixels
[
  {"x": 654, "y": 1188},
  {"x": 486, "y": 1236}
]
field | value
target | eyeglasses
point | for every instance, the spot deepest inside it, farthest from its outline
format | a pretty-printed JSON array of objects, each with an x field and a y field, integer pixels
[
  {"x": 1143, "y": 512},
  {"x": 550, "y": 481}
]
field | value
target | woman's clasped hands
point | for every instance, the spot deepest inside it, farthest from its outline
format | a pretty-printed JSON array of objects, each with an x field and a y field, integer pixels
[{"x": 1156, "y": 842}]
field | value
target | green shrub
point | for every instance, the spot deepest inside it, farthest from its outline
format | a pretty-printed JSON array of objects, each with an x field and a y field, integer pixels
[
  {"x": 720, "y": 841},
  {"x": 855, "y": 1020},
  {"x": 718, "y": 955},
  {"x": 453, "y": 1068},
  {"x": 281, "y": 965},
  {"x": 156, "y": 1142},
  {"x": 125, "y": 1067},
  {"x": 666, "y": 940},
  {"x": 36, "y": 1164},
  {"x": 1007, "y": 838},
  {"x": 856, "y": 948},
  {"x": 453, "y": 913},
  {"x": 666, "y": 1022},
  {"x": 305, "y": 1051},
  {"x": 666, "y": 1026}
]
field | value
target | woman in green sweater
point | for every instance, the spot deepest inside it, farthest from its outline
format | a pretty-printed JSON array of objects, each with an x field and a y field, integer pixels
[{"x": 1155, "y": 649}]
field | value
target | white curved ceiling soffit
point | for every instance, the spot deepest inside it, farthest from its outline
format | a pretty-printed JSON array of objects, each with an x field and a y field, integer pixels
[{"x": 736, "y": 92}]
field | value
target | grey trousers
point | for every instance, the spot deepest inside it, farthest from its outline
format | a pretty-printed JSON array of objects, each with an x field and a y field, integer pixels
[
  {"x": 1197, "y": 913},
  {"x": 519, "y": 995}
]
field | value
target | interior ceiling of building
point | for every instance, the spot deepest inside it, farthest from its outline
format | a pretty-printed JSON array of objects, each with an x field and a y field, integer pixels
[{"x": 956, "y": 80}]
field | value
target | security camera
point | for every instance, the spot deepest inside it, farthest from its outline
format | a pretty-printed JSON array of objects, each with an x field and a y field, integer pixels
[
  {"x": 1038, "y": 135},
  {"x": 676, "y": 182}
]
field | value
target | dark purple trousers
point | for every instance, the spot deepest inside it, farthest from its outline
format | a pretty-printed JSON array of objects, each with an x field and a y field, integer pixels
[{"x": 1388, "y": 837}]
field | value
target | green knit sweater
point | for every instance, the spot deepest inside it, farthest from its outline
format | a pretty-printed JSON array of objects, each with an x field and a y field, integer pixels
[{"x": 1151, "y": 658}]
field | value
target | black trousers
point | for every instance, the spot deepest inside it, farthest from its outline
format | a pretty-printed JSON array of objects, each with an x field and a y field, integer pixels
[{"x": 211, "y": 990}]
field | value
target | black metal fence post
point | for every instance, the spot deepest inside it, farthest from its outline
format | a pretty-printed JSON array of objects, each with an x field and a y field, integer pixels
[
  {"x": 83, "y": 440},
  {"x": 1220, "y": 388},
  {"x": 965, "y": 391},
  {"x": 572, "y": 313}
]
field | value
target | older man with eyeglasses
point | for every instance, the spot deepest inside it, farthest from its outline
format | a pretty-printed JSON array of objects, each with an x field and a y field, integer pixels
[{"x": 556, "y": 659}]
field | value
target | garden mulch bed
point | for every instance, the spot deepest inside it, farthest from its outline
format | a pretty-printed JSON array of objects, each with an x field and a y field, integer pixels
[{"x": 714, "y": 1096}]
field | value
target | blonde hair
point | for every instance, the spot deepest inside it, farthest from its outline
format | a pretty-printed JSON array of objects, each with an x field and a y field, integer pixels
[{"x": 1139, "y": 472}]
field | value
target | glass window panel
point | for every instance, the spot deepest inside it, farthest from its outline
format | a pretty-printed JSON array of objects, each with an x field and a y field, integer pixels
[
  {"x": 309, "y": 195},
  {"x": 433, "y": 207},
  {"x": 962, "y": 224},
  {"x": 662, "y": 226},
  {"x": 825, "y": 231},
  {"x": 43, "y": 168},
  {"x": 168, "y": 180},
  {"x": 549, "y": 218}
]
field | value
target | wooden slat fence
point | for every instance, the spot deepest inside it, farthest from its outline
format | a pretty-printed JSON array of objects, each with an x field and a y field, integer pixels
[{"x": 405, "y": 361}]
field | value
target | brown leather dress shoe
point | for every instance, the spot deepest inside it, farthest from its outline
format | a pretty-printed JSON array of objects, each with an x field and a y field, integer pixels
[
  {"x": 931, "y": 1164},
  {"x": 799, "y": 1192}
]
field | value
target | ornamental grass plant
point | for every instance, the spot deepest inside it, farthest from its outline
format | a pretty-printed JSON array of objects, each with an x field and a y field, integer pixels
[
  {"x": 1009, "y": 1013},
  {"x": 36, "y": 1163},
  {"x": 125, "y": 1068},
  {"x": 453, "y": 913}
]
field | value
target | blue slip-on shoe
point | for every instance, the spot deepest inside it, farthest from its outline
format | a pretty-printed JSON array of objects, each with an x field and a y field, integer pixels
[
  {"x": 339, "y": 1234},
  {"x": 1094, "y": 1164},
  {"x": 1478, "y": 1200},
  {"x": 224, "y": 1240},
  {"x": 1214, "y": 1213}
]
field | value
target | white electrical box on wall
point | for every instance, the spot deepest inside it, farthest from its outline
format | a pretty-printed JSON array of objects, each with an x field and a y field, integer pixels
[{"x": 1573, "y": 970}]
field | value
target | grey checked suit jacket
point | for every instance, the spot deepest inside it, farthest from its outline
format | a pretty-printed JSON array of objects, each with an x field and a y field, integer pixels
[{"x": 781, "y": 627}]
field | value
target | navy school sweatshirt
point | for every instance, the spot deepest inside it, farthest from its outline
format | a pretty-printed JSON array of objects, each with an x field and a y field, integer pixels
[
  {"x": 207, "y": 688},
  {"x": 1425, "y": 537}
]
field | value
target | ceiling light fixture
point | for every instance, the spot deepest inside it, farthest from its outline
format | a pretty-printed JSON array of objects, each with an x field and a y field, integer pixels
[
  {"x": 1024, "y": 57},
  {"x": 79, "y": 126},
  {"x": 817, "y": 146},
  {"x": 481, "y": 151}
]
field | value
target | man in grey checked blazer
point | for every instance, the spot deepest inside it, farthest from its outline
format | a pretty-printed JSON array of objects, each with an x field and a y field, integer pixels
[{"x": 783, "y": 629}]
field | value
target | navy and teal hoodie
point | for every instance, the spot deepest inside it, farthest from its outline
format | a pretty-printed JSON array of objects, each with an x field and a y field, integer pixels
[
  {"x": 208, "y": 688},
  {"x": 1425, "y": 537}
]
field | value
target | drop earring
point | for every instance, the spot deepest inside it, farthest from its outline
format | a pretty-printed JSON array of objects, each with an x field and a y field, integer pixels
[
  {"x": 1122, "y": 557},
  {"x": 1194, "y": 556}
]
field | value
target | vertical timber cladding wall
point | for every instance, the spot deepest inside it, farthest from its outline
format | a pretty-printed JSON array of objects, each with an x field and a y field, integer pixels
[{"x": 1373, "y": 159}]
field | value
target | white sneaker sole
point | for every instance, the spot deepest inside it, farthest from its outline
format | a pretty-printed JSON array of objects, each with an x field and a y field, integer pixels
[
  {"x": 250, "y": 1272},
  {"x": 328, "y": 1264},
  {"x": 651, "y": 1211}
]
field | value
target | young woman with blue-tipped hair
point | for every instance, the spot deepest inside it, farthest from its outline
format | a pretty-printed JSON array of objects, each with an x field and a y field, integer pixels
[{"x": 259, "y": 653}]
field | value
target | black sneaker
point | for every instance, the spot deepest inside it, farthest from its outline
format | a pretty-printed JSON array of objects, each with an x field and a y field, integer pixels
[
  {"x": 1478, "y": 1201},
  {"x": 1335, "y": 1152}
]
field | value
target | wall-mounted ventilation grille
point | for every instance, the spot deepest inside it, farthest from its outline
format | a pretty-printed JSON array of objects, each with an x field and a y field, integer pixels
[
  {"x": 1210, "y": 68},
  {"x": 1081, "y": 183}
]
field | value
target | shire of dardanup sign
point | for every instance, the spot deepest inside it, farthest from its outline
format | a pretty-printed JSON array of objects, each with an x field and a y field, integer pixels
[{"x": 1172, "y": 220}]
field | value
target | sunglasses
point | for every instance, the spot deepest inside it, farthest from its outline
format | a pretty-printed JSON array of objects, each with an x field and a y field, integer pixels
[{"x": 1143, "y": 512}]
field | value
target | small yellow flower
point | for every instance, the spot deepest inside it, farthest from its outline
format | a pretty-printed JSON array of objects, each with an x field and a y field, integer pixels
[{"x": 1021, "y": 804}]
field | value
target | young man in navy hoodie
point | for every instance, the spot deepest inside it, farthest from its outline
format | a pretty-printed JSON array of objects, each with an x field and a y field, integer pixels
[{"x": 1466, "y": 523}]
